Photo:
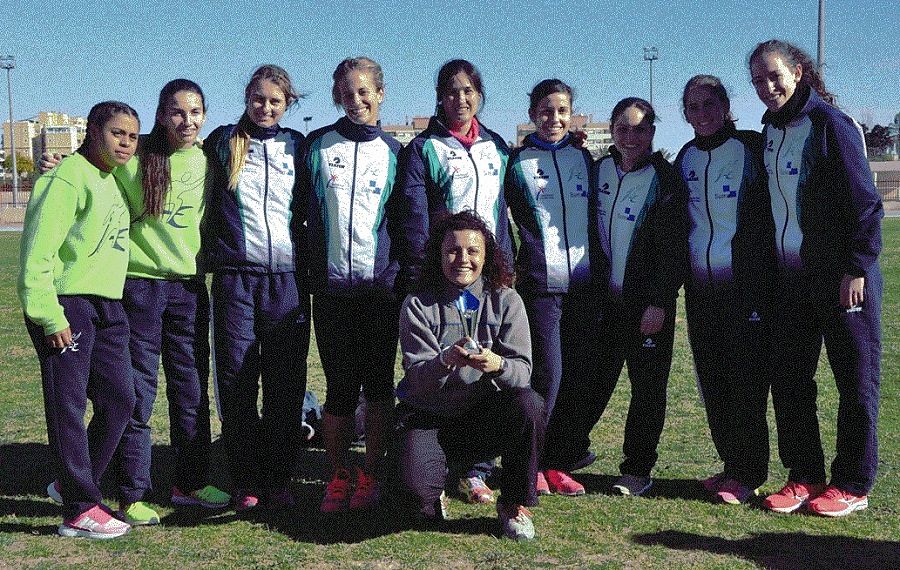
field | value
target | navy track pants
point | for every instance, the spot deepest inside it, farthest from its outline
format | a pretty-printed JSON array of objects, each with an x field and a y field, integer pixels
[
  {"x": 94, "y": 367},
  {"x": 260, "y": 330},
  {"x": 168, "y": 318}
]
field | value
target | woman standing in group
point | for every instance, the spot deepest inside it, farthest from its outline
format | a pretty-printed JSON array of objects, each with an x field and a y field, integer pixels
[
  {"x": 730, "y": 229},
  {"x": 467, "y": 362},
  {"x": 637, "y": 225},
  {"x": 456, "y": 164},
  {"x": 547, "y": 191},
  {"x": 827, "y": 215},
  {"x": 349, "y": 169},
  {"x": 255, "y": 248},
  {"x": 74, "y": 255},
  {"x": 167, "y": 304}
]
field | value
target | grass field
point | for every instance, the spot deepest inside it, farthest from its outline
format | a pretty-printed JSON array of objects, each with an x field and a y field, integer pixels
[{"x": 672, "y": 527}]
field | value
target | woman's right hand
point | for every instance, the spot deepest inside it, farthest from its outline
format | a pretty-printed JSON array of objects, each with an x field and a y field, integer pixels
[
  {"x": 60, "y": 339},
  {"x": 48, "y": 161}
]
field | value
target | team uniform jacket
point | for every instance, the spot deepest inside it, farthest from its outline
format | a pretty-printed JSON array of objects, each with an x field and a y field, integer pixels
[
  {"x": 638, "y": 226},
  {"x": 440, "y": 175},
  {"x": 350, "y": 171},
  {"x": 429, "y": 322},
  {"x": 254, "y": 227},
  {"x": 547, "y": 188},
  {"x": 826, "y": 209},
  {"x": 74, "y": 240},
  {"x": 729, "y": 222}
]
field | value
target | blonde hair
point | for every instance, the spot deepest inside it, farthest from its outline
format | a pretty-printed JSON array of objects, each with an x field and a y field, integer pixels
[{"x": 240, "y": 138}]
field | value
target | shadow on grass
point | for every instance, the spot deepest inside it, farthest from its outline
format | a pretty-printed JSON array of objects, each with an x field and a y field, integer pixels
[
  {"x": 786, "y": 550},
  {"x": 27, "y": 468},
  {"x": 687, "y": 489}
]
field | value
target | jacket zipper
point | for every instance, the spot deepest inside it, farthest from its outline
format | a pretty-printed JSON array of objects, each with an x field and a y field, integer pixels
[
  {"x": 266, "y": 204},
  {"x": 350, "y": 222},
  {"x": 562, "y": 195},
  {"x": 709, "y": 216},
  {"x": 787, "y": 211}
]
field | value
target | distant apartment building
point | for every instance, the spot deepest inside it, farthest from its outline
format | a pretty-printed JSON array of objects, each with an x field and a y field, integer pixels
[
  {"x": 598, "y": 139},
  {"x": 49, "y": 131},
  {"x": 406, "y": 132}
]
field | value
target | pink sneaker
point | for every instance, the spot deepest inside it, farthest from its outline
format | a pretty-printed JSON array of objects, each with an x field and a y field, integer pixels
[
  {"x": 367, "y": 491},
  {"x": 836, "y": 502},
  {"x": 244, "y": 500},
  {"x": 336, "y": 493},
  {"x": 540, "y": 485},
  {"x": 561, "y": 483},
  {"x": 95, "y": 523},
  {"x": 792, "y": 496},
  {"x": 732, "y": 492}
]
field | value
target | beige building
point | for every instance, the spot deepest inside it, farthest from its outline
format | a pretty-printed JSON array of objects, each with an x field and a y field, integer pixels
[
  {"x": 63, "y": 139},
  {"x": 598, "y": 139},
  {"x": 27, "y": 137},
  {"x": 49, "y": 130}
]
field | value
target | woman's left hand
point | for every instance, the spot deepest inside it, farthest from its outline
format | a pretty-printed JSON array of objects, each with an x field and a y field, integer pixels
[
  {"x": 487, "y": 361},
  {"x": 852, "y": 291},
  {"x": 652, "y": 320}
]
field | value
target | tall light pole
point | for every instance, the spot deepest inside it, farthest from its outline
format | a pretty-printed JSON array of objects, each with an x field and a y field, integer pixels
[
  {"x": 306, "y": 121},
  {"x": 820, "y": 52},
  {"x": 8, "y": 62},
  {"x": 651, "y": 54}
]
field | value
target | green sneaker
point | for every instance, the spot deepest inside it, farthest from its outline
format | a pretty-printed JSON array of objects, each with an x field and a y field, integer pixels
[
  {"x": 138, "y": 514},
  {"x": 208, "y": 497}
]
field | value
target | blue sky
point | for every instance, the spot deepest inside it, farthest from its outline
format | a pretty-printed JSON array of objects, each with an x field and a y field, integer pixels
[{"x": 71, "y": 54}]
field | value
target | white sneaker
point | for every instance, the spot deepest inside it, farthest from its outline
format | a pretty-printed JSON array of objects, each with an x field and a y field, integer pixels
[
  {"x": 94, "y": 523},
  {"x": 515, "y": 520}
]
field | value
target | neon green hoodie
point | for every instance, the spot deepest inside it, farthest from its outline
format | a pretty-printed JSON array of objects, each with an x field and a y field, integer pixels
[
  {"x": 74, "y": 242},
  {"x": 167, "y": 247}
]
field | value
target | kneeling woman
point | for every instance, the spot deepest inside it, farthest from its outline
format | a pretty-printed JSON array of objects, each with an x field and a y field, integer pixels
[{"x": 467, "y": 361}]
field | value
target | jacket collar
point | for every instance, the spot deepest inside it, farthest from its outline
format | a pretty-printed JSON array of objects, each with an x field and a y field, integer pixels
[
  {"x": 358, "y": 133},
  {"x": 716, "y": 139}
]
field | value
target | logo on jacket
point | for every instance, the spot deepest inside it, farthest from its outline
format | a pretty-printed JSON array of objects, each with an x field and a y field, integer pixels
[
  {"x": 542, "y": 193},
  {"x": 540, "y": 175},
  {"x": 727, "y": 192},
  {"x": 692, "y": 176},
  {"x": 754, "y": 317},
  {"x": 373, "y": 187},
  {"x": 579, "y": 192},
  {"x": 627, "y": 215},
  {"x": 491, "y": 171},
  {"x": 605, "y": 189},
  {"x": 453, "y": 156},
  {"x": 288, "y": 168},
  {"x": 648, "y": 343},
  {"x": 174, "y": 209},
  {"x": 770, "y": 146},
  {"x": 115, "y": 231},
  {"x": 336, "y": 163},
  {"x": 791, "y": 169}
]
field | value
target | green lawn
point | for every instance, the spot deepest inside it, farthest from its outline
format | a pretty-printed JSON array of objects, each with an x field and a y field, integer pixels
[{"x": 673, "y": 527}]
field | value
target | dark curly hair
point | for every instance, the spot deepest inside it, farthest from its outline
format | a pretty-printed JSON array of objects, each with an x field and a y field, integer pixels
[
  {"x": 795, "y": 56},
  {"x": 496, "y": 270}
]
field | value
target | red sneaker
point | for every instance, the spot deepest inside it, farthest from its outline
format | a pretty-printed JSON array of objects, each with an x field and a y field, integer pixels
[
  {"x": 367, "y": 491},
  {"x": 792, "y": 496},
  {"x": 336, "y": 493},
  {"x": 562, "y": 484},
  {"x": 836, "y": 502},
  {"x": 540, "y": 485}
]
